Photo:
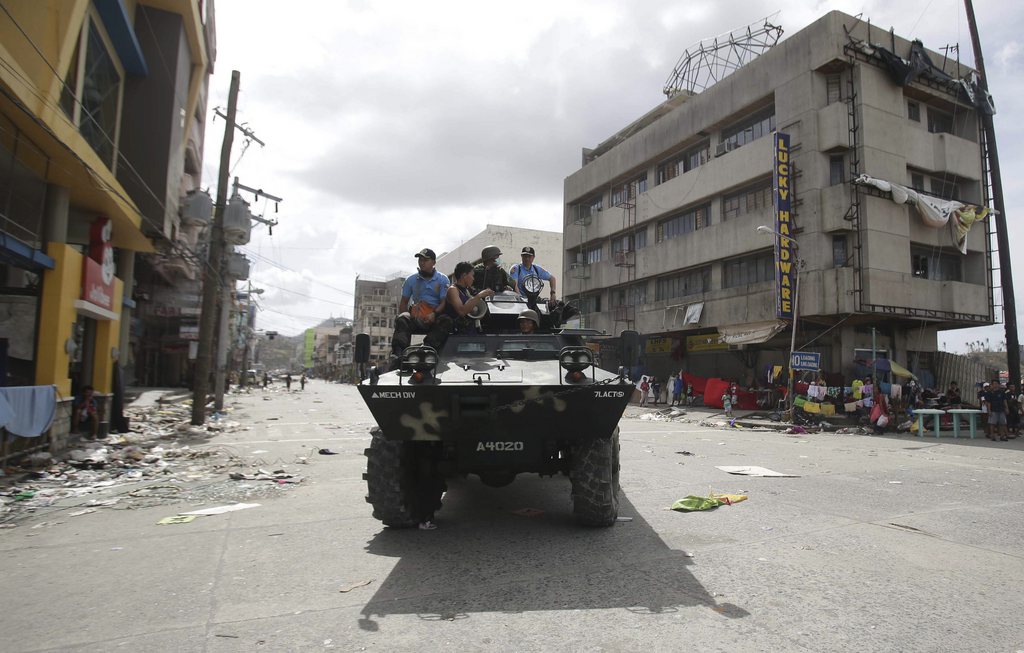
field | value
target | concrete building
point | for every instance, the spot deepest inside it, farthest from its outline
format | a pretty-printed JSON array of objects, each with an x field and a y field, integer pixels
[
  {"x": 661, "y": 220},
  {"x": 511, "y": 240},
  {"x": 72, "y": 78},
  {"x": 376, "y": 307}
]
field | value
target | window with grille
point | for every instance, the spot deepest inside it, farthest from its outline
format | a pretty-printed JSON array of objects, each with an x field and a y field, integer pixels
[
  {"x": 690, "y": 282},
  {"x": 833, "y": 88},
  {"x": 629, "y": 190},
  {"x": 748, "y": 269},
  {"x": 914, "y": 111},
  {"x": 939, "y": 122},
  {"x": 589, "y": 304},
  {"x": 591, "y": 254},
  {"x": 683, "y": 223},
  {"x": 839, "y": 251},
  {"x": 635, "y": 295},
  {"x": 748, "y": 200},
  {"x": 629, "y": 242},
  {"x": 945, "y": 188},
  {"x": 685, "y": 162},
  {"x": 934, "y": 263},
  {"x": 836, "y": 170},
  {"x": 750, "y": 129}
]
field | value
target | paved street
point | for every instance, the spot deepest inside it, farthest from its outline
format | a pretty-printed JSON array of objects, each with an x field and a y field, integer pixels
[{"x": 893, "y": 543}]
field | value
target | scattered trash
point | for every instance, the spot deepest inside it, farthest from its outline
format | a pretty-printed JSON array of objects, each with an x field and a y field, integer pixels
[
  {"x": 327, "y": 452},
  {"x": 24, "y": 495},
  {"x": 528, "y": 512},
  {"x": 795, "y": 429},
  {"x": 694, "y": 503},
  {"x": 895, "y": 482},
  {"x": 685, "y": 453},
  {"x": 427, "y": 526},
  {"x": 356, "y": 585},
  {"x": 176, "y": 519},
  {"x": 220, "y": 510},
  {"x": 753, "y": 470},
  {"x": 84, "y": 511},
  {"x": 623, "y": 519},
  {"x": 259, "y": 451},
  {"x": 263, "y": 475}
]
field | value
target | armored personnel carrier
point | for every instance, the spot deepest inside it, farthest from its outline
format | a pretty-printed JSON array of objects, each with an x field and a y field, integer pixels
[{"x": 495, "y": 402}]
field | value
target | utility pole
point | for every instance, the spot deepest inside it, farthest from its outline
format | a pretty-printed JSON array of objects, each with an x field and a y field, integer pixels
[
  {"x": 223, "y": 336},
  {"x": 212, "y": 276},
  {"x": 1002, "y": 238}
]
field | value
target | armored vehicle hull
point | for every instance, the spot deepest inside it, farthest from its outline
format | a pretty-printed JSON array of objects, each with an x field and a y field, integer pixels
[{"x": 494, "y": 403}]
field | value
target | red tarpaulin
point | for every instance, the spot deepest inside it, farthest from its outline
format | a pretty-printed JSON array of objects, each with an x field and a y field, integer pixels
[
  {"x": 698, "y": 383},
  {"x": 714, "y": 390}
]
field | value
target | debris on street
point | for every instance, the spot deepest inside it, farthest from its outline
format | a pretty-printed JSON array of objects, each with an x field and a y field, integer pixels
[
  {"x": 163, "y": 459},
  {"x": 357, "y": 584},
  {"x": 694, "y": 503},
  {"x": 754, "y": 470},
  {"x": 220, "y": 510}
]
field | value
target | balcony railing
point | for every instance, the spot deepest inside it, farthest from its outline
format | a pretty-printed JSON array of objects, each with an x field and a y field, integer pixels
[{"x": 579, "y": 270}]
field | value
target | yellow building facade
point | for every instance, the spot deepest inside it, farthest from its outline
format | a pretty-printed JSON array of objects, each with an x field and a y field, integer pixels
[{"x": 65, "y": 69}]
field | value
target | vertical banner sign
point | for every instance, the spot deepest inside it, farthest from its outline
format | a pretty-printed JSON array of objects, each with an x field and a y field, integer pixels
[
  {"x": 98, "y": 267},
  {"x": 785, "y": 259},
  {"x": 307, "y": 358}
]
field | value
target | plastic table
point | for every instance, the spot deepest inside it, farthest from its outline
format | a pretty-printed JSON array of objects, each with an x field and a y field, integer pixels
[
  {"x": 921, "y": 412},
  {"x": 972, "y": 418}
]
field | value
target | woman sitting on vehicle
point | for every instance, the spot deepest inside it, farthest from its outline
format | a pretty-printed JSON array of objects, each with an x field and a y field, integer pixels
[{"x": 461, "y": 301}]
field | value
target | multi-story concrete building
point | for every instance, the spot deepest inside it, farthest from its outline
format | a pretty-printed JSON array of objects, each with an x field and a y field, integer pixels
[
  {"x": 74, "y": 85},
  {"x": 376, "y": 307},
  {"x": 661, "y": 220},
  {"x": 511, "y": 240}
]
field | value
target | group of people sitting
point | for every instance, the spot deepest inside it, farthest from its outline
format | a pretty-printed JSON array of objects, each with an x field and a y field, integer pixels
[{"x": 437, "y": 305}]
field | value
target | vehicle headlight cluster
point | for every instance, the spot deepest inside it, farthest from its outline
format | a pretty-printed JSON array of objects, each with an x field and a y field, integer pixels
[
  {"x": 574, "y": 360},
  {"x": 419, "y": 359}
]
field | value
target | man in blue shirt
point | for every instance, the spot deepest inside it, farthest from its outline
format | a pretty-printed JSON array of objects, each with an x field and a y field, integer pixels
[
  {"x": 521, "y": 271},
  {"x": 422, "y": 308}
]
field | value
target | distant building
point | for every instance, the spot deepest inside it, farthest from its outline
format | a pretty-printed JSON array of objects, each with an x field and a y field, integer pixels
[
  {"x": 376, "y": 307},
  {"x": 511, "y": 240},
  {"x": 661, "y": 220}
]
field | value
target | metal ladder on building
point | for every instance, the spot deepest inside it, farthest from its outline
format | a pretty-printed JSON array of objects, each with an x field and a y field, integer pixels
[
  {"x": 580, "y": 270},
  {"x": 991, "y": 243},
  {"x": 625, "y": 259},
  {"x": 853, "y": 212}
]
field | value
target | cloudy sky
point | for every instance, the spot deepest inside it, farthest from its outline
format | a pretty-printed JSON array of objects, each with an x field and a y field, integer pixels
[{"x": 390, "y": 126}]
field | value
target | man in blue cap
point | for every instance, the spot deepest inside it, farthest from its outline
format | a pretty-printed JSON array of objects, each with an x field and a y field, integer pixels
[
  {"x": 521, "y": 271},
  {"x": 422, "y": 308}
]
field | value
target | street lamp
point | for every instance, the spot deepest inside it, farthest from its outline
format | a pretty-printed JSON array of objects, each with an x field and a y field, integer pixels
[{"x": 796, "y": 312}]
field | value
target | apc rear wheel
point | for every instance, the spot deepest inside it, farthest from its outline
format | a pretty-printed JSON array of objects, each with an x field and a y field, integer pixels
[
  {"x": 594, "y": 472},
  {"x": 401, "y": 483}
]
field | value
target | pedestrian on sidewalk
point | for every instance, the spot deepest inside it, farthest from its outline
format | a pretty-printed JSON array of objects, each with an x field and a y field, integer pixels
[
  {"x": 645, "y": 387},
  {"x": 266, "y": 380},
  {"x": 288, "y": 382},
  {"x": 302, "y": 381},
  {"x": 677, "y": 389},
  {"x": 657, "y": 391}
]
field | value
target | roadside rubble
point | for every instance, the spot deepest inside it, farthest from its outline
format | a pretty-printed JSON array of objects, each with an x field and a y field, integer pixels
[{"x": 162, "y": 460}]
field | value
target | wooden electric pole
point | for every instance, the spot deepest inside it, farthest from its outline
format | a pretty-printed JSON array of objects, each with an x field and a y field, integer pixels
[
  {"x": 212, "y": 276},
  {"x": 1002, "y": 238}
]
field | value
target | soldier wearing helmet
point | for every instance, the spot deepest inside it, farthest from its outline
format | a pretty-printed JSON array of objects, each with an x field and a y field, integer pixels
[
  {"x": 489, "y": 274},
  {"x": 529, "y": 322}
]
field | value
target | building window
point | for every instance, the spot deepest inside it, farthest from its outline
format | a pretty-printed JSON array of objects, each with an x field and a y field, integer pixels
[
  {"x": 629, "y": 190},
  {"x": 836, "y": 170},
  {"x": 685, "y": 162},
  {"x": 691, "y": 282},
  {"x": 914, "y": 111},
  {"x": 748, "y": 269},
  {"x": 930, "y": 263},
  {"x": 586, "y": 209},
  {"x": 92, "y": 90},
  {"x": 589, "y": 304},
  {"x": 839, "y": 251},
  {"x": 590, "y": 255},
  {"x": 939, "y": 122},
  {"x": 917, "y": 181},
  {"x": 751, "y": 129},
  {"x": 629, "y": 242},
  {"x": 748, "y": 200},
  {"x": 684, "y": 223},
  {"x": 635, "y": 295},
  {"x": 945, "y": 188},
  {"x": 833, "y": 89}
]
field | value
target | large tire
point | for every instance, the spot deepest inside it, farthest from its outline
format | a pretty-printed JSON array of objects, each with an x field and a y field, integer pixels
[
  {"x": 402, "y": 486},
  {"x": 594, "y": 472}
]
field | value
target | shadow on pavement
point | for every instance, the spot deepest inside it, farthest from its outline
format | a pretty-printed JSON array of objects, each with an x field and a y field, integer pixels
[{"x": 484, "y": 557}]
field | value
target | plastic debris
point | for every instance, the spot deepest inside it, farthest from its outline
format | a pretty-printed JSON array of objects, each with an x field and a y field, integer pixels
[
  {"x": 176, "y": 519},
  {"x": 327, "y": 452},
  {"x": 694, "y": 503},
  {"x": 355, "y": 585},
  {"x": 753, "y": 470},
  {"x": 220, "y": 510}
]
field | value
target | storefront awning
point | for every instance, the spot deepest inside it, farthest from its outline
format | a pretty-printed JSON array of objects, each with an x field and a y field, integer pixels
[{"x": 750, "y": 333}]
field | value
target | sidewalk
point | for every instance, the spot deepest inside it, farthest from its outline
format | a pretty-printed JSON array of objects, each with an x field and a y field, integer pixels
[{"x": 715, "y": 417}]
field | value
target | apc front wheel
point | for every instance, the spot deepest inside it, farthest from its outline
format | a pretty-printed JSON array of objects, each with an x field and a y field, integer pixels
[
  {"x": 401, "y": 485},
  {"x": 594, "y": 472}
]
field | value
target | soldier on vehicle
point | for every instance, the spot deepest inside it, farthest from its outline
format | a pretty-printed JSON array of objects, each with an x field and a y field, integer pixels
[
  {"x": 529, "y": 322},
  {"x": 489, "y": 274},
  {"x": 422, "y": 307}
]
